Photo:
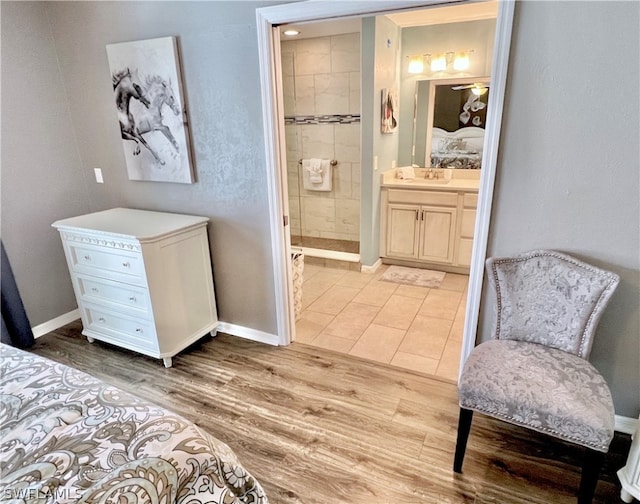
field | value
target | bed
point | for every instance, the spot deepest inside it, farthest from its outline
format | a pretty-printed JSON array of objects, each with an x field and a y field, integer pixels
[
  {"x": 67, "y": 437},
  {"x": 458, "y": 149}
]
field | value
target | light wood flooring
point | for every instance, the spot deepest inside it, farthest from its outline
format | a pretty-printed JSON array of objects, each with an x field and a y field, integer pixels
[
  {"x": 410, "y": 327},
  {"x": 316, "y": 426}
]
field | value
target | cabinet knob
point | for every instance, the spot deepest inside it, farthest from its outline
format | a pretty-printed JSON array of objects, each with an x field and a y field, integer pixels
[
  {"x": 132, "y": 299},
  {"x": 95, "y": 289},
  {"x": 139, "y": 330},
  {"x": 87, "y": 258},
  {"x": 102, "y": 319},
  {"x": 126, "y": 264}
]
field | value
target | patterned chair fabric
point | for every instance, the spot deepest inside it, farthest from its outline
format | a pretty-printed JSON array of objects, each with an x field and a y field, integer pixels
[
  {"x": 541, "y": 388},
  {"x": 549, "y": 298},
  {"x": 535, "y": 373}
]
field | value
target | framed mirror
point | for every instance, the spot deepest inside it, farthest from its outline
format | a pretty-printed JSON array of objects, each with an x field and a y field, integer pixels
[
  {"x": 450, "y": 118},
  {"x": 456, "y": 123}
]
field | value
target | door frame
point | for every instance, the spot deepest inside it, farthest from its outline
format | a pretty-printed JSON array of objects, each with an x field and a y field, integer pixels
[{"x": 267, "y": 20}]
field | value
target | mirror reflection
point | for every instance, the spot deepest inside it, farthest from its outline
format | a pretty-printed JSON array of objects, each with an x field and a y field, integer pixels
[{"x": 455, "y": 124}]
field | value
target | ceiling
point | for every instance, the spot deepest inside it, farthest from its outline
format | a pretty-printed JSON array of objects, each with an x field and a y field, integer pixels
[
  {"x": 442, "y": 15},
  {"x": 422, "y": 17}
]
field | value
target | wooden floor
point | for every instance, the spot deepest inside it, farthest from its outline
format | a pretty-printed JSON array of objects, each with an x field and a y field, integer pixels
[{"x": 320, "y": 427}]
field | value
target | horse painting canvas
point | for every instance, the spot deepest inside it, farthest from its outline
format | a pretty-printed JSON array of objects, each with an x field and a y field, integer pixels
[{"x": 150, "y": 108}]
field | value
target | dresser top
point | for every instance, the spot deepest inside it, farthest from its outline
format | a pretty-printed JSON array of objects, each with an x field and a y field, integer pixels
[{"x": 143, "y": 225}]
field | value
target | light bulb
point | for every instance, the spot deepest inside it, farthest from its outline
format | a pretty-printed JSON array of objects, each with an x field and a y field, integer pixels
[
  {"x": 416, "y": 65},
  {"x": 439, "y": 63},
  {"x": 479, "y": 90},
  {"x": 461, "y": 61}
]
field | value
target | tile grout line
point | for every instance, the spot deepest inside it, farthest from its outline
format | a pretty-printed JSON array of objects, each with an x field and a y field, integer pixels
[{"x": 335, "y": 282}]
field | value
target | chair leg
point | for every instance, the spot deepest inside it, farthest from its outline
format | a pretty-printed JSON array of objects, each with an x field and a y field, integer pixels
[
  {"x": 591, "y": 465},
  {"x": 464, "y": 426}
]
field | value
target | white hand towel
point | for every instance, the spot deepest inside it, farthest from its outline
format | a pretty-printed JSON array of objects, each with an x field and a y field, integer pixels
[
  {"x": 316, "y": 176},
  {"x": 406, "y": 173},
  {"x": 315, "y": 170}
]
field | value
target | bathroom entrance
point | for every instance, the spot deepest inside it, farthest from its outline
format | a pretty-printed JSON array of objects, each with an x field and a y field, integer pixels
[{"x": 374, "y": 151}]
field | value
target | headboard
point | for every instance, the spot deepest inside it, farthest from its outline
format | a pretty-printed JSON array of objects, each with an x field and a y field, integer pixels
[
  {"x": 458, "y": 149},
  {"x": 469, "y": 140}
]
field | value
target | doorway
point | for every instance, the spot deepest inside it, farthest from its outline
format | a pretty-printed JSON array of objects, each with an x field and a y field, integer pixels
[{"x": 269, "y": 43}]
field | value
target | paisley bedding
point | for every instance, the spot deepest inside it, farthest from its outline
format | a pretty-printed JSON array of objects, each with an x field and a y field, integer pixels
[{"x": 68, "y": 437}]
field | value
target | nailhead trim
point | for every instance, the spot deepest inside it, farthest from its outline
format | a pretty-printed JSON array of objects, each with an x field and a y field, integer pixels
[{"x": 613, "y": 282}]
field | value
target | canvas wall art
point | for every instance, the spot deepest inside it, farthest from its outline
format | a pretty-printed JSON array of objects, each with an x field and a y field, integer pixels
[
  {"x": 389, "y": 112},
  {"x": 149, "y": 102}
]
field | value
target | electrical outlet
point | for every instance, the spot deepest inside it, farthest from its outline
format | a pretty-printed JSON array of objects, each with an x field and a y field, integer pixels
[{"x": 98, "y": 174}]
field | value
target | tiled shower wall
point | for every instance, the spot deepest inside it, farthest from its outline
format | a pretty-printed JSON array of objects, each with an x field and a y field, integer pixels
[{"x": 321, "y": 79}]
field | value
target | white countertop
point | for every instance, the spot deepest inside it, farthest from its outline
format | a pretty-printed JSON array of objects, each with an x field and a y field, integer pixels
[{"x": 454, "y": 183}]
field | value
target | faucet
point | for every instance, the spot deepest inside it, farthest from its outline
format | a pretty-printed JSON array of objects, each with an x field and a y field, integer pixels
[{"x": 429, "y": 174}]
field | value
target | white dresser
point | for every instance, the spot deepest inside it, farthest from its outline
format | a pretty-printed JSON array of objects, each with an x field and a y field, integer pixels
[{"x": 142, "y": 279}]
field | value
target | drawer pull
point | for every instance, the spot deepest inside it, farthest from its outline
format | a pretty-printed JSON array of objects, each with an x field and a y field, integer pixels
[
  {"x": 139, "y": 330},
  {"x": 102, "y": 319},
  {"x": 126, "y": 264},
  {"x": 95, "y": 289},
  {"x": 87, "y": 258},
  {"x": 132, "y": 299}
]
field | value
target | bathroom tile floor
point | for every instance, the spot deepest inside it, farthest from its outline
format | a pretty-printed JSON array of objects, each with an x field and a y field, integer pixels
[{"x": 410, "y": 327}]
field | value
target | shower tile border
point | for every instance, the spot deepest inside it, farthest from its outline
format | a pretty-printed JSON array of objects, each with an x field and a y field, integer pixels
[{"x": 323, "y": 119}]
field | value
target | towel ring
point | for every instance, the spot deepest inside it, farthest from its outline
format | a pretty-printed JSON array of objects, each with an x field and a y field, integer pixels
[{"x": 333, "y": 162}]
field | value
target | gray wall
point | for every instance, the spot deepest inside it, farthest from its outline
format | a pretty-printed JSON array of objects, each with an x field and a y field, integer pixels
[
  {"x": 42, "y": 175},
  {"x": 218, "y": 45},
  {"x": 568, "y": 170}
]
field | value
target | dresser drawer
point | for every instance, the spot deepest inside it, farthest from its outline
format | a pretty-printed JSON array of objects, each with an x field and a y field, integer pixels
[
  {"x": 122, "y": 296},
  {"x": 120, "y": 327},
  {"x": 120, "y": 265}
]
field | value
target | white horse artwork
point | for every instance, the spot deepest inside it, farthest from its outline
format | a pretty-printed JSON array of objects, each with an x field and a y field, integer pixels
[{"x": 149, "y": 104}]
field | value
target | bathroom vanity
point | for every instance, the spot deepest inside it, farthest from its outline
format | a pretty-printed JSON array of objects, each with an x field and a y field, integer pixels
[{"x": 429, "y": 222}]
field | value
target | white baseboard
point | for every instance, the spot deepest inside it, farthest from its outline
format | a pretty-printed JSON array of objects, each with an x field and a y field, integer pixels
[
  {"x": 372, "y": 268},
  {"x": 626, "y": 425},
  {"x": 330, "y": 254},
  {"x": 233, "y": 329},
  {"x": 248, "y": 333},
  {"x": 56, "y": 323}
]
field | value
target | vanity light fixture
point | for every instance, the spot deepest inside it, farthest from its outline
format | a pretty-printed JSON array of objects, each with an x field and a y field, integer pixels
[
  {"x": 451, "y": 61},
  {"x": 291, "y": 32}
]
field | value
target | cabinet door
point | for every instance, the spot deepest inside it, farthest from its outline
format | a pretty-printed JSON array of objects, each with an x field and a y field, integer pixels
[
  {"x": 437, "y": 234},
  {"x": 402, "y": 226}
]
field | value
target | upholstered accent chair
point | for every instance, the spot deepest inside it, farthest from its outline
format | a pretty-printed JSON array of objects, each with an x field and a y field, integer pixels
[{"x": 534, "y": 372}]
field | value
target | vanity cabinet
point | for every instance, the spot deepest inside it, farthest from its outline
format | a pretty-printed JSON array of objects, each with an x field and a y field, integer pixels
[
  {"x": 142, "y": 279},
  {"x": 421, "y": 232},
  {"x": 467, "y": 227},
  {"x": 428, "y": 227}
]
